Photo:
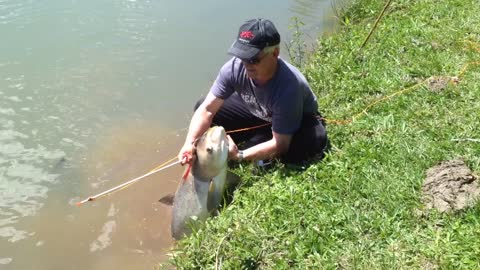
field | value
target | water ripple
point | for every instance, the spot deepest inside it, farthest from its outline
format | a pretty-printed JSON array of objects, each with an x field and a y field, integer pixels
[
  {"x": 5, "y": 260},
  {"x": 25, "y": 178},
  {"x": 104, "y": 239},
  {"x": 21, "y": 11},
  {"x": 13, "y": 234}
]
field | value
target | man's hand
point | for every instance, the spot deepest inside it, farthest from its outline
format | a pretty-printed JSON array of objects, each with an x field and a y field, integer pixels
[
  {"x": 232, "y": 149},
  {"x": 201, "y": 121},
  {"x": 187, "y": 154}
]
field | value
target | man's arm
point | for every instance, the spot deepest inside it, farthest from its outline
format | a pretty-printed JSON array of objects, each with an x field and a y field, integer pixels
[
  {"x": 275, "y": 147},
  {"x": 201, "y": 121}
]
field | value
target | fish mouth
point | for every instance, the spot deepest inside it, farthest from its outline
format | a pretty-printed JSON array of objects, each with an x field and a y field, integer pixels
[{"x": 216, "y": 134}]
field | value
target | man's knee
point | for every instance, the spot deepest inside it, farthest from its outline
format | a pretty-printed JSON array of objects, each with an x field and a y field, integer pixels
[
  {"x": 321, "y": 138},
  {"x": 309, "y": 141}
]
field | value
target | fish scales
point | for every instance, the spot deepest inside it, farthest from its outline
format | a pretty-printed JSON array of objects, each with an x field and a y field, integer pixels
[{"x": 201, "y": 192}]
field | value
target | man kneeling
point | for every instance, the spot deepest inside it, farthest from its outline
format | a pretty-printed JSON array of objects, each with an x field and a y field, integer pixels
[{"x": 254, "y": 88}]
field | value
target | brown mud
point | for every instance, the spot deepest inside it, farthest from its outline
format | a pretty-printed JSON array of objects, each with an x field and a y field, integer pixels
[{"x": 450, "y": 186}]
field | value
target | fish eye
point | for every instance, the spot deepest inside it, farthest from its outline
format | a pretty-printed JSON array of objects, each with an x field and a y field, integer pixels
[{"x": 209, "y": 150}]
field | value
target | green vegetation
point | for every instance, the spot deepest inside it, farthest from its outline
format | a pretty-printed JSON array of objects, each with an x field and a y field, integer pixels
[{"x": 360, "y": 207}]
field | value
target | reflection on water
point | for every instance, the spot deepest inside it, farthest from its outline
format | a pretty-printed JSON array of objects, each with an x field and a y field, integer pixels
[
  {"x": 92, "y": 94},
  {"x": 311, "y": 11},
  {"x": 129, "y": 228},
  {"x": 317, "y": 17},
  {"x": 24, "y": 171},
  {"x": 104, "y": 239}
]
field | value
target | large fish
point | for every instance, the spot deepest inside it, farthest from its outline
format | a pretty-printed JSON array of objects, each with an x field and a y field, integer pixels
[{"x": 201, "y": 190}]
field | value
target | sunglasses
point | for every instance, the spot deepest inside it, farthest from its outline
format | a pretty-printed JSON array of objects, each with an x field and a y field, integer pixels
[{"x": 257, "y": 59}]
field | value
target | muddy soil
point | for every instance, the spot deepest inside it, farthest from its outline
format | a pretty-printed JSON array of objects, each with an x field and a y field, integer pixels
[{"x": 450, "y": 186}]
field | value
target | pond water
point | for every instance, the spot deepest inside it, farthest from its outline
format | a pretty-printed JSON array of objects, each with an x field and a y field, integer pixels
[{"x": 94, "y": 93}]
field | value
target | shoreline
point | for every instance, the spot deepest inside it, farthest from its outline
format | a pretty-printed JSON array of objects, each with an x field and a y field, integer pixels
[{"x": 361, "y": 207}]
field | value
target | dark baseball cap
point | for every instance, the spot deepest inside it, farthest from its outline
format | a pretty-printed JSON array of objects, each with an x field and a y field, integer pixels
[{"x": 253, "y": 36}]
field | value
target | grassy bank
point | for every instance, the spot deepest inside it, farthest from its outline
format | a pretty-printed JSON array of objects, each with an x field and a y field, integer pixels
[{"x": 360, "y": 207}]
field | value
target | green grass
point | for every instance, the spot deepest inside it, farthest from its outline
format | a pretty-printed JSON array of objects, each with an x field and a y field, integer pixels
[{"x": 360, "y": 207}]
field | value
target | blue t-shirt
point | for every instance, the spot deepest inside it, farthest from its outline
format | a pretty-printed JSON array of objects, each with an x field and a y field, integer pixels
[{"x": 283, "y": 100}]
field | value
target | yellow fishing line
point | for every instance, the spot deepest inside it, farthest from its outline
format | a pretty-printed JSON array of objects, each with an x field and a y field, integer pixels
[
  {"x": 156, "y": 168},
  {"x": 163, "y": 164},
  {"x": 464, "y": 68}
]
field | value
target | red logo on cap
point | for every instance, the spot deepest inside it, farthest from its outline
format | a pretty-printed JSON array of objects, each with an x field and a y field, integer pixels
[{"x": 246, "y": 35}]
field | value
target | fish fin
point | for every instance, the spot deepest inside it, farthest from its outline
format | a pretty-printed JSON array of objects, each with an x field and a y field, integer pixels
[
  {"x": 233, "y": 180},
  {"x": 215, "y": 212},
  {"x": 210, "y": 198},
  {"x": 168, "y": 199},
  {"x": 211, "y": 187},
  {"x": 232, "y": 183}
]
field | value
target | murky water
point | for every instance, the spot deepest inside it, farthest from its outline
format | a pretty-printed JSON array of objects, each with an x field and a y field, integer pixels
[{"x": 94, "y": 93}]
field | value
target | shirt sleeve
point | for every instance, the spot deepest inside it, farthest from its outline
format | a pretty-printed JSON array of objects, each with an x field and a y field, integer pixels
[{"x": 223, "y": 85}]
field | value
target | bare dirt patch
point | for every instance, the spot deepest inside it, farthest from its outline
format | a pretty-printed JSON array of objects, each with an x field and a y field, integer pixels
[
  {"x": 440, "y": 83},
  {"x": 450, "y": 186}
]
